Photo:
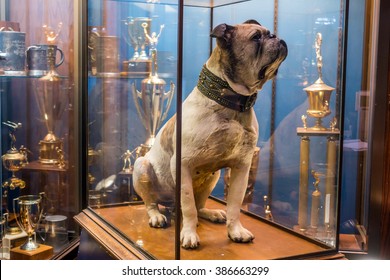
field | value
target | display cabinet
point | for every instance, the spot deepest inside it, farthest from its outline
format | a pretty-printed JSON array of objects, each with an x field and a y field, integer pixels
[
  {"x": 89, "y": 89},
  {"x": 144, "y": 58},
  {"x": 40, "y": 147}
]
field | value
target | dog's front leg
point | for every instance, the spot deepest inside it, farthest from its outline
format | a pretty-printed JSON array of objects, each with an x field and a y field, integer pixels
[
  {"x": 236, "y": 193},
  {"x": 188, "y": 236}
]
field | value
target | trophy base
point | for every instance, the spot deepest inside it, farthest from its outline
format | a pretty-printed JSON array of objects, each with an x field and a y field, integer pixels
[
  {"x": 108, "y": 74},
  {"x": 137, "y": 66},
  {"x": 35, "y": 73},
  {"x": 13, "y": 230},
  {"x": 44, "y": 252},
  {"x": 15, "y": 73},
  {"x": 318, "y": 125},
  {"x": 13, "y": 183},
  {"x": 48, "y": 152},
  {"x": 318, "y": 128}
]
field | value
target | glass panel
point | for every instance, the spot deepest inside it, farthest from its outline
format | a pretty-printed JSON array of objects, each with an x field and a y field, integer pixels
[
  {"x": 355, "y": 190},
  {"x": 39, "y": 121},
  {"x": 293, "y": 180},
  {"x": 131, "y": 94}
]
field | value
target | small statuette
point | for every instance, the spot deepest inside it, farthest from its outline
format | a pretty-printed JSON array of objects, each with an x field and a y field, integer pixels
[
  {"x": 61, "y": 158},
  {"x": 127, "y": 167},
  {"x": 304, "y": 121},
  {"x": 25, "y": 152},
  {"x": 318, "y": 44},
  {"x": 333, "y": 124}
]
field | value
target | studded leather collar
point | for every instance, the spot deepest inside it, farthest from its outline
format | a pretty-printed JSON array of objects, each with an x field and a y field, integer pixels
[{"x": 219, "y": 90}]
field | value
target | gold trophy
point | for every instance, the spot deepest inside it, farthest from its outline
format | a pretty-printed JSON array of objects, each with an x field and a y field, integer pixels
[
  {"x": 30, "y": 213},
  {"x": 140, "y": 62},
  {"x": 152, "y": 102},
  {"x": 94, "y": 33},
  {"x": 51, "y": 96},
  {"x": 14, "y": 159},
  {"x": 318, "y": 93}
]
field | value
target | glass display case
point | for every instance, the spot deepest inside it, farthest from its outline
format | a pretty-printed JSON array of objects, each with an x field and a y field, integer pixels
[
  {"x": 144, "y": 60},
  {"x": 39, "y": 85},
  {"x": 163, "y": 129}
]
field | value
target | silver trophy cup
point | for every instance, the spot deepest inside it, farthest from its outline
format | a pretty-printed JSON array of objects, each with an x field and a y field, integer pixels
[{"x": 152, "y": 104}]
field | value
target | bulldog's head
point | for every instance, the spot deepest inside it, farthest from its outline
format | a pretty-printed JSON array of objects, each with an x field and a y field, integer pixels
[{"x": 247, "y": 55}]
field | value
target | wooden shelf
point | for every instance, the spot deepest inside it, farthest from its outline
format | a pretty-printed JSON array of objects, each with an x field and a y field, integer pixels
[{"x": 112, "y": 227}]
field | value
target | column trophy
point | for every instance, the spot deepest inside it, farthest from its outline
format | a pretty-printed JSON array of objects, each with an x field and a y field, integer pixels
[
  {"x": 51, "y": 96},
  {"x": 152, "y": 102},
  {"x": 319, "y": 97}
]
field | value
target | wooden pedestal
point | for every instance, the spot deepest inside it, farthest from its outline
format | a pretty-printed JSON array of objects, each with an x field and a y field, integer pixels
[{"x": 44, "y": 252}]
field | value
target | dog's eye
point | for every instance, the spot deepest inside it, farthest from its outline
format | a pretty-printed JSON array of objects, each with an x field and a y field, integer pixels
[{"x": 256, "y": 37}]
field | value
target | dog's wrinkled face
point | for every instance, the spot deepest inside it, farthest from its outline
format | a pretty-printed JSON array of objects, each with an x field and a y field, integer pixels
[{"x": 250, "y": 55}]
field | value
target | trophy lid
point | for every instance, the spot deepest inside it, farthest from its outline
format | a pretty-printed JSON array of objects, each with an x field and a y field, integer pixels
[
  {"x": 319, "y": 85},
  {"x": 13, "y": 155},
  {"x": 50, "y": 137}
]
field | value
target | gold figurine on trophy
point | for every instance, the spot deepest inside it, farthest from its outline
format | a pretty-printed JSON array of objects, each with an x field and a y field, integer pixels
[
  {"x": 318, "y": 93},
  {"x": 51, "y": 35}
]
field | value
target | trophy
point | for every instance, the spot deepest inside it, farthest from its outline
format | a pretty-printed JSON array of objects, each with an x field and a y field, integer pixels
[
  {"x": 136, "y": 37},
  {"x": 94, "y": 32},
  {"x": 30, "y": 213},
  {"x": 318, "y": 93},
  {"x": 315, "y": 200},
  {"x": 14, "y": 159},
  {"x": 152, "y": 102},
  {"x": 51, "y": 97}
]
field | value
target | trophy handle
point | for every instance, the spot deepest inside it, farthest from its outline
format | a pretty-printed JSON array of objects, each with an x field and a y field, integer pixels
[
  {"x": 61, "y": 58},
  {"x": 170, "y": 94},
  {"x": 16, "y": 216},
  {"x": 141, "y": 114}
]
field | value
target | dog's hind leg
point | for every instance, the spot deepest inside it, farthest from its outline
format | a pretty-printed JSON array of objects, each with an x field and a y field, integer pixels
[
  {"x": 143, "y": 178},
  {"x": 202, "y": 192}
]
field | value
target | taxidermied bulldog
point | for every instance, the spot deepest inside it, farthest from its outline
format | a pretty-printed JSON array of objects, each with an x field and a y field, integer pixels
[{"x": 219, "y": 130}]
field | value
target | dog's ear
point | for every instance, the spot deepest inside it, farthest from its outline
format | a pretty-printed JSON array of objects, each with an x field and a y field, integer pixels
[
  {"x": 223, "y": 33},
  {"x": 252, "y": 21}
]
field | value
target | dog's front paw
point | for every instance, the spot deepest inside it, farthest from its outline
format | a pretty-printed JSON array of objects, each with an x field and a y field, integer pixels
[
  {"x": 157, "y": 220},
  {"x": 189, "y": 239},
  {"x": 214, "y": 215},
  {"x": 240, "y": 234}
]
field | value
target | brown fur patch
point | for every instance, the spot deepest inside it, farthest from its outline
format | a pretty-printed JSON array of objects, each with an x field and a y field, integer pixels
[{"x": 166, "y": 136}]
